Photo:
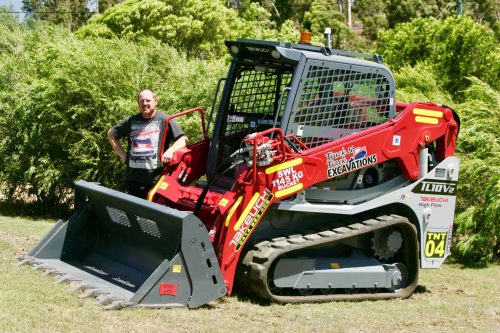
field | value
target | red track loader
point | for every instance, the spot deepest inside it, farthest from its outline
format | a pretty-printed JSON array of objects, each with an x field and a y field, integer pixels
[{"x": 314, "y": 185}]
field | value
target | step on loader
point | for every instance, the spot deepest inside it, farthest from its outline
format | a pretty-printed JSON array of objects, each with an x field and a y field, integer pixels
[{"x": 314, "y": 185}]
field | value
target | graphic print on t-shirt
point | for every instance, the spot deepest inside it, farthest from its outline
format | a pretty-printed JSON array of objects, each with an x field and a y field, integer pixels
[{"x": 145, "y": 139}]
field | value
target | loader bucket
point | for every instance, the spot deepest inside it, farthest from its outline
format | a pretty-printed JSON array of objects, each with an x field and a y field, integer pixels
[{"x": 131, "y": 252}]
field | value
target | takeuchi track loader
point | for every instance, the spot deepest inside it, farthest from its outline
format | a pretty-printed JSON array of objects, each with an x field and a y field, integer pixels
[{"x": 314, "y": 185}]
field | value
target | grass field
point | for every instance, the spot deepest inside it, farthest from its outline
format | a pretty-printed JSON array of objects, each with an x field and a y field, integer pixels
[{"x": 447, "y": 300}]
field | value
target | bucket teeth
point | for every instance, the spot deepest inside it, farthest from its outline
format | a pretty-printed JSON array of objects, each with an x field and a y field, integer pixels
[
  {"x": 106, "y": 299},
  {"x": 21, "y": 258},
  {"x": 40, "y": 267},
  {"x": 50, "y": 272},
  {"x": 117, "y": 305},
  {"x": 90, "y": 293},
  {"x": 25, "y": 260},
  {"x": 110, "y": 302},
  {"x": 80, "y": 287},
  {"x": 66, "y": 278}
]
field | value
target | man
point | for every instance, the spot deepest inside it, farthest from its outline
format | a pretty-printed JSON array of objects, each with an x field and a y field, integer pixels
[{"x": 144, "y": 132}]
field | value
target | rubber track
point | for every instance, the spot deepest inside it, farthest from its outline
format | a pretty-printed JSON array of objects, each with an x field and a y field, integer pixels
[{"x": 258, "y": 260}]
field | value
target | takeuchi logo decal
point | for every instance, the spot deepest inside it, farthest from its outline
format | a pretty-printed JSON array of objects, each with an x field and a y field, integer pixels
[
  {"x": 249, "y": 219},
  {"x": 347, "y": 160}
]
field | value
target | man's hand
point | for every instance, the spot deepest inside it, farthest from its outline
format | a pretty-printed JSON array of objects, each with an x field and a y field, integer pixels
[{"x": 168, "y": 155}]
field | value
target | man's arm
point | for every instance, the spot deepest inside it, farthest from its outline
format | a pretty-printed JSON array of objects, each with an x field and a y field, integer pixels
[
  {"x": 116, "y": 145},
  {"x": 178, "y": 144}
]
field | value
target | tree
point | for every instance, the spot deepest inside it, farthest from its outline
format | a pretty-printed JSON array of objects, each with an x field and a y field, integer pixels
[
  {"x": 282, "y": 10},
  {"x": 477, "y": 231},
  {"x": 196, "y": 27},
  {"x": 373, "y": 15},
  {"x": 485, "y": 11},
  {"x": 378, "y": 14},
  {"x": 323, "y": 14},
  {"x": 70, "y": 13},
  {"x": 105, "y": 4},
  {"x": 193, "y": 26},
  {"x": 456, "y": 48},
  {"x": 399, "y": 11}
]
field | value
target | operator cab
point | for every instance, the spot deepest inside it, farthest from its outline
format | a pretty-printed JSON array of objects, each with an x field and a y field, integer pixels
[{"x": 314, "y": 93}]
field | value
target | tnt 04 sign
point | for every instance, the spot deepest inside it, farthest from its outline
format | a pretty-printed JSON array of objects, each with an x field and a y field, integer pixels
[{"x": 435, "y": 244}]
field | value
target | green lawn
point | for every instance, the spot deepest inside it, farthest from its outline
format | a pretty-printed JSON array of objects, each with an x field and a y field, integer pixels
[{"x": 447, "y": 300}]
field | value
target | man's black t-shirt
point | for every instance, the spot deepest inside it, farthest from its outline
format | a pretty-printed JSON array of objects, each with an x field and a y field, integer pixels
[{"x": 144, "y": 142}]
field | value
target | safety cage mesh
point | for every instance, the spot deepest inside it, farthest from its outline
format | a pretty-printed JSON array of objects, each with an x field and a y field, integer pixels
[
  {"x": 348, "y": 98},
  {"x": 255, "y": 97}
]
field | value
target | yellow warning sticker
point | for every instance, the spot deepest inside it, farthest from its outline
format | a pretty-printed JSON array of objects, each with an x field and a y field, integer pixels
[
  {"x": 334, "y": 265},
  {"x": 428, "y": 113},
  {"x": 283, "y": 166},
  {"x": 427, "y": 116},
  {"x": 289, "y": 190},
  {"x": 177, "y": 268},
  {"x": 223, "y": 202},
  {"x": 232, "y": 210},
  {"x": 426, "y": 120},
  {"x": 163, "y": 186}
]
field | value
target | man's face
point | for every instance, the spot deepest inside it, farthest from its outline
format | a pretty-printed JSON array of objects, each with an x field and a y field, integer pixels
[{"x": 147, "y": 104}]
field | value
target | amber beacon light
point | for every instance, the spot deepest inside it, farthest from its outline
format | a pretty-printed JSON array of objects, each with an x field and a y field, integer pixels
[{"x": 305, "y": 37}]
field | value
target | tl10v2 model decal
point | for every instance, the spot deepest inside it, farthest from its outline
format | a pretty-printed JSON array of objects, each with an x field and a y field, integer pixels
[{"x": 431, "y": 186}]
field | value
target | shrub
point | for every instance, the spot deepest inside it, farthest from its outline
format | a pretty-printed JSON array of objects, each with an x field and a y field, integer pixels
[
  {"x": 478, "y": 207},
  {"x": 455, "y": 48},
  {"x": 197, "y": 28}
]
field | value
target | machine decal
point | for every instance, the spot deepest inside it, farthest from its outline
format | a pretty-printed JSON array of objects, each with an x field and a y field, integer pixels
[
  {"x": 223, "y": 202},
  {"x": 338, "y": 164},
  {"x": 435, "y": 202},
  {"x": 235, "y": 119},
  {"x": 396, "y": 140},
  {"x": 168, "y": 289},
  {"x": 289, "y": 190},
  {"x": 287, "y": 177},
  {"x": 258, "y": 49},
  {"x": 435, "y": 244},
  {"x": 258, "y": 205},
  {"x": 176, "y": 268},
  {"x": 300, "y": 130},
  {"x": 427, "y": 116},
  {"x": 443, "y": 187}
]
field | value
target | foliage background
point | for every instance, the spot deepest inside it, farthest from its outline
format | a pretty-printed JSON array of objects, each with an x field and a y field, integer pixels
[
  {"x": 58, "y": 98},
  {"x": 63, "y": 85}
]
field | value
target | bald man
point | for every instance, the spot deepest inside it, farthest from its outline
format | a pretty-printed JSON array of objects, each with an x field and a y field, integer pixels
[{"x": 144, "y": 132}]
